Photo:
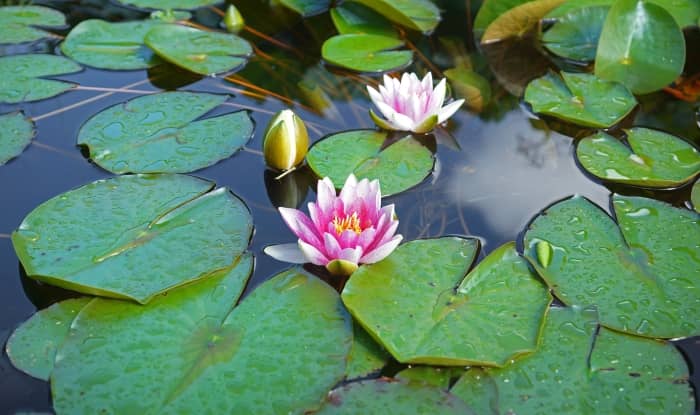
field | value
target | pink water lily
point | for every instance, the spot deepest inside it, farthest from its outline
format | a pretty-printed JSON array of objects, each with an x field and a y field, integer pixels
[
  {"x": 341, "y": 231},
  {"x": 411, "y": 104}
]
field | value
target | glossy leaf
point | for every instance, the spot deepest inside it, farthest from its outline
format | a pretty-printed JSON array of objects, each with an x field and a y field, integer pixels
[
  {"x": 519, "y": 20},
  {"x": 579, "y": 370},
  {"x": 575, "y": 35},
  {"x": 640, "y": 46},
  {"x": 366, "y": 356},
  {"x": 20, "y": 24},
  {"x": 422, "y": 15},
  {"x": 437, "y": 376},
  {"x": 653, "y": 158},
  {"x": 580, "y": 98},
  {"x": 468, "y": 84},
  {"x": 133, "y": 236},
  {"x": 489, "y": 11},
  {"x": 420, "y": 306},
  {"x": 205, "y": 53},
  {"x": 22, "y": 77},
  {"x": 16, "y": 132},
  {"x": 685, "y": 13},
  {"x": 695, "y": 196},
  {"x": 307, "y": 7},
  {"x": 169, "y": 4},
  {"x": 107, "y": 45},
  {"x": 350, "y": 18},
  {"x": 399, "y": 166},
  {"x": 366, "y": 53},
  {"x": 159, "y": 134},
  {"x": 642, "y": 277}
]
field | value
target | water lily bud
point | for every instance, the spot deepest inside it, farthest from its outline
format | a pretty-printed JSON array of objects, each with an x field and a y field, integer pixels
[
  {"x": 286, "y": 141},
  {"x": 233, "y": 20}
]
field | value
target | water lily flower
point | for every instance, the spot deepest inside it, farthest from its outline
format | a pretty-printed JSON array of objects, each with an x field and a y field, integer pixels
[
  {"x": 341, "y": 231},
  {"x": 411, "y": 104},
  {"x": 286, "y": 141}
]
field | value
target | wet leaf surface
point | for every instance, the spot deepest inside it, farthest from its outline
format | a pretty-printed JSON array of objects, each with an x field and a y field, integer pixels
[
  {"x": 22, "y": 77},
  {"x": 575, "y": 35},
  {"x": 16, "y": 132},
  {"x": 20, "y": 24},
  {"x": 366, "y": 53},
  {"x": 366, "y": 355},
  {"x": 437, "y": 376}
]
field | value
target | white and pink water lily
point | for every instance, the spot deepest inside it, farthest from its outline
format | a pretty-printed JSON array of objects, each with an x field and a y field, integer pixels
[
  {"x": 411, "y": 104},
  {"x": 341, "y": 231}
]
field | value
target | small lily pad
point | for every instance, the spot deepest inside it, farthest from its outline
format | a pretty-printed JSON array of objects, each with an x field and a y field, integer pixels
[
  {"x": 519, "y": 20},
  {"x": 575, "y": 35},
  {"x": 351, "y": 18},
  {"x": 20, "y": 24},
  {"x": 307, "y": 8},
  {"x": 654, "y": 158},
  {"x": 16, "y": 132},
  {"x": 422, "y": 15},
  {"x": 22, "y": 75},
  {"x": 642, "y": 277},
  {"x": 205, "y": 53},
  {"x": 399, "y": 166},
  {"x": 366, "y": 53},
  {"x": 420, "y": 306},
  {"x": 366, "y": 356},
  {"x": 580, "y": 98},
  {"x": 158, "y": 134},
  {"x": 169, "y": 4}
]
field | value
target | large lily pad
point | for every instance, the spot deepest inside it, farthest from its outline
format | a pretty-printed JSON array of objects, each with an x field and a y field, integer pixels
[
  {"x": 107, "y": 45},
  {"x": 366, "y": 53},
  {"x": 422, "y": 15},
  {"x": 519, "y": 20},
  {"x": 643, "y": 277},
  {"x": 421, "y": 307},
  {"x": 366, "y": 356},
  {"x": 22, "y": 77},
  {"x": 579, "y": 370},
  {"x": 16, "y": 132},
  {"x": 307, "y": 7},
  {"x": 489, "y": 11},
  {"x": 169, "y": 4},
  {"x": 635, "y": 34},
  {"x": 580, "y": 98},
  {"x": 575, "y": 35},
  {"x": 158, "y": 134},
  {"x": 133, "y": 236},
  {"x": 399, "y": 166},
  {"x": 205, "y": 53},
  {"x": 18, "y": 24},
  {"x": 654, "y": 158},
  {"x": 256, "y": 358},
  {"x": 351, "y": 18},
  {"x": 686, "y": 13}
]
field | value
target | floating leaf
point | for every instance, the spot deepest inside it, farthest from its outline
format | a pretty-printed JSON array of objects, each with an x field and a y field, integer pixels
[
  {"x": 32, "y": 347},
  {"x": 133, "y": 236},
  {"x": 21, "y": 77},
  {"x": 471, "y": 86},
  {"x": 201, "y": 52},
  {"x": 420, "y": 15},
  {"x": 16, "y": 132},
  {"x": 654, "y": 158},
  {"x": 259, "y": 358},
  {"x": 641, "y": 46},
  {"x": 575, "y": 35},
  {"x": 307, "y": 8},
  {"x": 107, "y": 45},
  {"x": 351, "y": 18},
  {"x": 579, "y": 370},
  {"x": 580, "y": 98},
  {"x": 695, "y": 196},
  {"x": 169, "y": 4},
  {"x": 158, "y": 134},
  {"x": 366, "y": 356},
  {"x": 366, "y": 53},
  {"x": 391, "y": 397},
  {"x": 399, "y": 166},
  {"x": 685, "y": 13},
  {"x": 519, "y": 20},
  {"x": 489, "y": 11},
  {"x": 643, "y": 277},
  {"x": 439, "y": 377},
  {"x": 420, "y": 306},
  {"x": 17, "y": 23}
]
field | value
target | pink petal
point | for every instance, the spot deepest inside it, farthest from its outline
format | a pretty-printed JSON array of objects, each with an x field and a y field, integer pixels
[
  {"x": 381, "y": 251},
  {"x": 301, "y": 225},
  {"x": 325, "y": 195},
  {"x": 286, "y": 253},
  {"x": 331, "y": 245},
  {"x": 312, "y": 254},
  {"x": 351, "y": 254},
  {"x": 366, "y": 238},
  {"x": 348, "y": 239}
]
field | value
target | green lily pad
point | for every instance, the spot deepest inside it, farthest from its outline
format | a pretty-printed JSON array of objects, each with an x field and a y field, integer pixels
[
  {"x": 158, "y": 134},
  {"x": 18, "y": 24},
  {"x": 519, "y": 20},
  {"x": 205, "y": 53},
  {"x": 575, "y": 35},
  {"x": 366, "y": 356},
  {"x": 635, "y": 34},
  {"x": 439, "y": 377},
  {"x": 695, "y": 196},
  {"x": 470, "y": 85},
  {"x": 107, "y": 45},
  {"x": 258, "y": 357},
  {"x": 399, "y": 166},
  {"x": 580, "y": 98},
  {"x": 579, "y": 370},
  {"x": 420, "y": 306},
  {"x": 350, "y": 18},
  {"x": 642, "y": 277},
  {"x": 489, "y": 11},
  {"x": 569, "y": 7},
  {"x": 133, "y": 236},
  {"x": 32, "y": 347},
  {"x": 685, "y": 13},
  {"x": 378, "y": 397},
  {"x": 169, "y": 4},
  {"x": 422, "y": 15},
  {"x": 16, "y": 132},
  {"x": 654, "y": 158},
  {"x": 366, "y": 53},
  {"x": 307, "y": 8},
  {"x": 22, "y": 75}
]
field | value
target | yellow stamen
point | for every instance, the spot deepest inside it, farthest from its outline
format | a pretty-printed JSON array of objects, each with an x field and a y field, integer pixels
[{"x": 351, "y": 222}]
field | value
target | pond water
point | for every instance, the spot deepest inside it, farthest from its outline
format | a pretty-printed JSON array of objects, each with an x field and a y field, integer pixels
[{"x": 498, "y": 169}]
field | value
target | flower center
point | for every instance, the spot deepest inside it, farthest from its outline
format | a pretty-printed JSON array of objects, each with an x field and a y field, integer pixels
[{"x": 351, "y": 222}]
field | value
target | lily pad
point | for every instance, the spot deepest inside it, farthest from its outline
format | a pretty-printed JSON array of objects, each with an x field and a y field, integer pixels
[
  {"x": 205, "y": 53},
  {"x": 32, "y": 347},
  {"x": 169, "y": 4},
  {"x": 399, "y": 166},
  {"x": 22, "y": 75},
  {"x": 642, "y": 277},
  {"x": 422, "y": 15},
  {"x": 489, "y": 11},
  {"x": 107, "y": 45},
  {"x": 307, "y": 8},
  {"x": 439, "y": 377},
  {"x": 635, "y": 34},
  {"x": 20, "y": 24},
  {"x": 158, "y": 134},
  {"x": 580, "y": 98},
  {"x": 470, "y": 85},
  {"x": 519, "y": 20},
  {"x": 575, "y": 35},
  {"x": 695, "y": 196},
  {"x": 654, "y": 158},
  {"x": 366, "y": 356},
  {"x": 421, "y": 307},
  {"x": 16, "y": 132},
  {"x": 133, "y": 236},
  {"x": 377, "y": 397},
  {"x": 351, "y": 18},
  {"x": 579, "y": 370},
  {"x": 366, "y": 53},
  {"x": 685, "y": 13}
]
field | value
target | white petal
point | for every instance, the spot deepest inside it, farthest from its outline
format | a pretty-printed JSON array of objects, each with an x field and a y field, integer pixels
[
  {"x": 286, "y": 253},
  {"x": 349, "y": 190},
  {"x": 438, "y": 97},
  {"x": 312, "y": 254},
  {"x": 447, "y": 111},
  {"x": 374, "y": 94},
  {"x": 403, "y": 122},
  {"x": 388, "y": 113},
  {"x": 427, "y": 82}
]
